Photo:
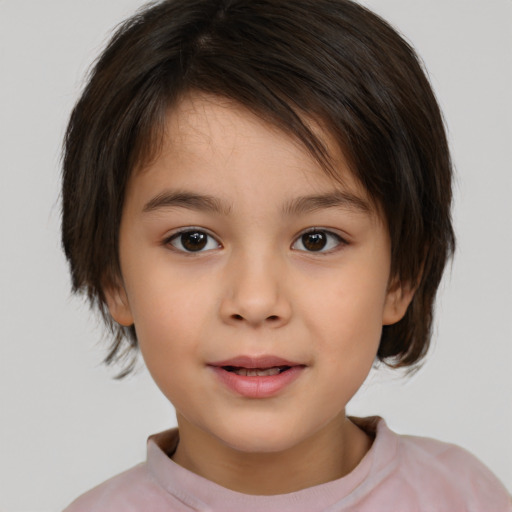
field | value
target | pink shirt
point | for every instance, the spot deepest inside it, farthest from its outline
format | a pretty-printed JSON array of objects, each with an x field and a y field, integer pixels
[{"x": 398, "y": 474}]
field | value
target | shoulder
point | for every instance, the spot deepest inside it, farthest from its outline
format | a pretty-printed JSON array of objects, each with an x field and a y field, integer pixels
[
  {"x": 445, "y": 473},
  {"x": 441, "y": 457},
  {"x": 130, "y": 491},
  {"x": 147, "y": 487}
]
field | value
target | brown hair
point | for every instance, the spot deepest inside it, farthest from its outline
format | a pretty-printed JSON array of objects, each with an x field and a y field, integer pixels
[{"x": 285, "y": 60}]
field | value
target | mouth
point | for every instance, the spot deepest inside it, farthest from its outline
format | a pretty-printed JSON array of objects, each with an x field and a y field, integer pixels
[
  {"x": 257, "y": 377},
  {"x": 256, "y": 372}
]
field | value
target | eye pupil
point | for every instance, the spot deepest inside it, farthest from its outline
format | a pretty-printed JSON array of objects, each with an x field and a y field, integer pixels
[
  {"x": 194, "y": 240},
  {"x": 314, "y": 241}
]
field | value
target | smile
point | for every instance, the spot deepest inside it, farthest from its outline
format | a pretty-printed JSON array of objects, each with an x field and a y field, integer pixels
[
  {"x": 256, "y": 372},
  {"x": 261, "y": 377}
]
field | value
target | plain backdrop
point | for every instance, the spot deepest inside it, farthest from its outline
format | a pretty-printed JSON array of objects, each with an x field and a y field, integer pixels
[{"x": 66, "y": 425}]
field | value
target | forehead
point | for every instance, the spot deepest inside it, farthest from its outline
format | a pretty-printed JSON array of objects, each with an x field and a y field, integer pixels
[
  {"x": 222, "y": 123},
  {"x": 211, "y": 143}
]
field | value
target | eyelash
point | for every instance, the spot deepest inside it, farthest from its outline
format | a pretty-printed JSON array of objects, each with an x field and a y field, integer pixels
[
  {"x": 338, "y": 240},
  {"x": 192, "y": 230}
]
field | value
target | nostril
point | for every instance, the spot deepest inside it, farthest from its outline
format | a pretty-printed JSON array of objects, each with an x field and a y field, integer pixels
[{"x": 272, "y": 318}]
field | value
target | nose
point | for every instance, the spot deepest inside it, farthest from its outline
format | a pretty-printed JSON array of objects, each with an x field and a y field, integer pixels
[{"x": 255, "y": 292}]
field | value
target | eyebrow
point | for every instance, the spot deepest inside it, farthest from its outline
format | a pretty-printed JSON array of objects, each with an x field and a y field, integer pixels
[
  {"x": 337, "y": 199},
  {"x": 188, "y": 200},
  {"x": 297, "y": 206}
]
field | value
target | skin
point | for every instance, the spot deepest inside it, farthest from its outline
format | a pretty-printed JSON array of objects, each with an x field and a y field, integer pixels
[{"x": 255, "y": 289}]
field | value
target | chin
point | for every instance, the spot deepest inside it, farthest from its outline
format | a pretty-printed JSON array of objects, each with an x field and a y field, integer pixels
[
  {"x": 258, "y": 444},
  {"x": 259, "y": 437}
]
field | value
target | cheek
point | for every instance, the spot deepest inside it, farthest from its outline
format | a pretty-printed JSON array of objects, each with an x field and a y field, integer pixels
[
  {"x": 169, "y": 343},
  {"x": 348, "y": 344},
  {"x": 162, "y": 296},
  {"x": 349, "y": 302},
  {"x": 171, "y": 322},
  {"x": 346, "y": 315},
  {"x": 169, "y": 312}
]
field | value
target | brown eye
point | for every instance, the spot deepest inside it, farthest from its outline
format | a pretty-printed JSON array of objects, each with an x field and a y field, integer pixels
[
  {"x": 314, "y": 241},
  {"x": 318, "y": 241},
  {"x": 193, "y": 241}
]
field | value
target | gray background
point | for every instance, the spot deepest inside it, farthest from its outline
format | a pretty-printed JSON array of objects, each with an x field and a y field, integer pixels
[{"x": 65, "y": 425}]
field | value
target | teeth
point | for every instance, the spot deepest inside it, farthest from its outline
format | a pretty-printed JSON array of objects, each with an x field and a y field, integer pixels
[{"x": 258, "y": 372}]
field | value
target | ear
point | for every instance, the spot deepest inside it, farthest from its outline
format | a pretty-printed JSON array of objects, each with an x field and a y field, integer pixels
[
  {"x": 398, "y": 298},
  {"x": 118, "y": 305}
]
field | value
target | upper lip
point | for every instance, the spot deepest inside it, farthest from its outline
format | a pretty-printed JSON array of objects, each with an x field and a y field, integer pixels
[{"x": 266, "y": 361}]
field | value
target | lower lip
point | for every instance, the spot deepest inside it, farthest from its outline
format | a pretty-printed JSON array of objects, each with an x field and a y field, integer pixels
[{"x": 258, "y": 387}]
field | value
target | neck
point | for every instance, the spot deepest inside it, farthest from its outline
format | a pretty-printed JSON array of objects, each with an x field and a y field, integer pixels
[{"x": 329, "y": 454}]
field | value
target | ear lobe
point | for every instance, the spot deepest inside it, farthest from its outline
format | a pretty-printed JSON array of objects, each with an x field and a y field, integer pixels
[
  {"x": 397, "y": 301},
  {"x": 118, "y": 306}
]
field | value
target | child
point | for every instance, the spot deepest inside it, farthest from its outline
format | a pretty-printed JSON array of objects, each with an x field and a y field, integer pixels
[{"x": 257, "y": 193}]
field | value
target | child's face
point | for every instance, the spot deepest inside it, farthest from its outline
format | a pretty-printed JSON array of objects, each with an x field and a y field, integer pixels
[{"x": 246, "y": 285}]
